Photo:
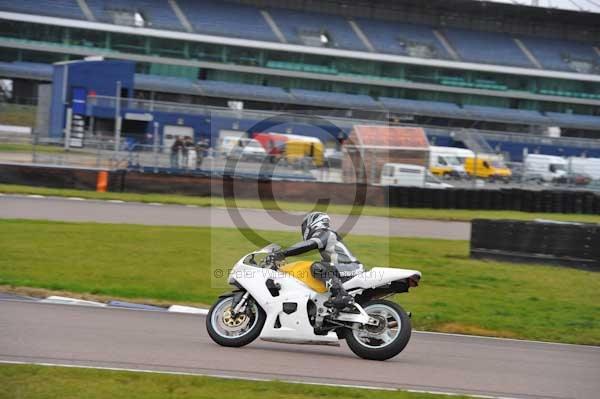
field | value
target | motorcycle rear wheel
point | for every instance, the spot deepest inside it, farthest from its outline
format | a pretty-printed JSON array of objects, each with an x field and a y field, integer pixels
[
  {"x": 386, "y": 340},
  {"x": 237, "y": 331}
]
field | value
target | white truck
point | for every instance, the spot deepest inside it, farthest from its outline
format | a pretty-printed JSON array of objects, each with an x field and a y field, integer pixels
[
  {"x": 408, "y": 175},
  {"x": 585, "y": 166},
  {"x": 242, "y": 148},
  {"x": 448, "y": 161},
  {"x": 544, "y": 167}
]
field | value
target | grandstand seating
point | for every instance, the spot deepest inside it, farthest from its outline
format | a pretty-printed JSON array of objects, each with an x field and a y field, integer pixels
[
  {"x": 157, "y": 13},
  {"x": 419, "y": 107},
  {"x": 396, "y": 37},
  {"x": 505, "y": 114},
  {"x": 554, "y": 53},
  {"x": 296, "y": 66},
  {"x": 486, "y": 47},
  {"x": 579, "y": 121},
  {"x": 337, "y": 100},
  {"x": 166, "y": 84},
  {"x": 226, "y": 19},
  {"x": 55, "y": 8},
  {"x": 295, "y": 23},
  {"x": 245, "y": 21},
  {"x": 324, "y": 99},
  {"x": 243, "y": 91}
]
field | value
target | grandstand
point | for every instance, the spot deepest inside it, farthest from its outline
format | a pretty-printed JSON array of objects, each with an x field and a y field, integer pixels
[{"x": 501, "y": 67}]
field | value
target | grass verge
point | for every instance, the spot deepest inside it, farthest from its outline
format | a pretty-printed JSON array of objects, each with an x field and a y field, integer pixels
[
  {"x": 189, "y": 265},
  {"x": 24, "y": 147},
  {"x": 405, "y": 213},
  {"x": 18, "y": 115},
  {"x": 43, "y": 382}
]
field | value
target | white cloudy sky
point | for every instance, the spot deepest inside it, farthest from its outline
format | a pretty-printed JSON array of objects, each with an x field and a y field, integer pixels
[{"x": 577, "y": 5}]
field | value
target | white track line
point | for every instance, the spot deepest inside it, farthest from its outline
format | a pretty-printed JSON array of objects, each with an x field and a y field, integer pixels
[
  {"x": 35, "y": 196},
  {"x": 231, "y": 377},
  {"x": 75, "y": 199},
  {"x": 187, "y": 309},
  {"x": 71, "y": 301}
]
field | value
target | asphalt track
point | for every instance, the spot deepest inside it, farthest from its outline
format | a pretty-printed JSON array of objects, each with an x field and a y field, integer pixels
[
  {"x": 104, "y": 337},
  {"x": 78, "y": 210}
]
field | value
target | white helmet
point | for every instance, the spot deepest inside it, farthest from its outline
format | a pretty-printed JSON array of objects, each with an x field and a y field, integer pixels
[{"x": 314, "y": 221}]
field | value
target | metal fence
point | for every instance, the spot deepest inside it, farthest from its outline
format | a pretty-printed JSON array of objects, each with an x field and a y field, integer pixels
[
  {"x": 447, "y": 168},
  {"x": 444, "y": 167}
]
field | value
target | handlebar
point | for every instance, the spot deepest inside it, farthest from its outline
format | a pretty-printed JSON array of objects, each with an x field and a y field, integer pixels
[{"x": 272, "y": 262}]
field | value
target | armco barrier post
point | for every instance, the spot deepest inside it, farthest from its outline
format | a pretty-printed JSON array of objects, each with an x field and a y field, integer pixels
[{"x": 102, "y": 181}]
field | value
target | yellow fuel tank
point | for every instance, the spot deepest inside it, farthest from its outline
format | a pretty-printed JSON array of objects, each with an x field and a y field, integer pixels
[{"x": 301, "y": 271}]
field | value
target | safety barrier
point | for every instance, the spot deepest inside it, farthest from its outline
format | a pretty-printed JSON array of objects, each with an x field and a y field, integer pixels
[
  {"x": 547, "y": 201},
  {"x": 569, "y": 244}
]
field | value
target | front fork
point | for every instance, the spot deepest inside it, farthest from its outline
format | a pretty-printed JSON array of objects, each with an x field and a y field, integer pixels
[{"x": 240, "y": 298}]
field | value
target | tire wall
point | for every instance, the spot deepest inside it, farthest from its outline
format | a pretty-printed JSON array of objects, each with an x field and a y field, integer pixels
[
  {"x": 547, "y": 201},
  {"x": 571, "y": 244}
]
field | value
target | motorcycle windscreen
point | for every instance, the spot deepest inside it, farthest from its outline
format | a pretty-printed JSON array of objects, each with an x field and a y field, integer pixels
[{"x": 301, "y": 271}]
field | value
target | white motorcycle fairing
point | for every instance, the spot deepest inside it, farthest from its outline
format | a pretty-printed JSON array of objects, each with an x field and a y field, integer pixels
[
  {"x": 293, "y": 327},
  {"x": 287, "y": 318},
  {"x": 380, "y": 276}
]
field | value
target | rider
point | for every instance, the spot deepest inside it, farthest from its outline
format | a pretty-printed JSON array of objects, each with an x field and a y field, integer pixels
[{"x": 337, "y": 262}]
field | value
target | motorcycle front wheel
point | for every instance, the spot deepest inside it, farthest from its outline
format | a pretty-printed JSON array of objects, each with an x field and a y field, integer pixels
[
  {"x": 227, "y": 330},
  {"x": 385, "y": 340}
]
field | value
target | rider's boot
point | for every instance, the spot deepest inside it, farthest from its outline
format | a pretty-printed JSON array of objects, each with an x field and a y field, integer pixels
[{"x": 339, "y": 297}]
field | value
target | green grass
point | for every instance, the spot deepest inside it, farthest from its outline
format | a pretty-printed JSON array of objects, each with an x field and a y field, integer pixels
[
  {"x": 18, "y": 115},
  {"x": 176, "y": 264},
  {"x": 43, "y": 382},
  {"x": 28, "y": 148},
  {"x": 406, "y": 213}
]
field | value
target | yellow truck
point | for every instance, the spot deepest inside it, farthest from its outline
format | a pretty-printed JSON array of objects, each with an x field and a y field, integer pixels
[
  {"x": 297, "y": 151},
  {"x": 441, "y": 171},
  {"x": 487, "y": 167}
]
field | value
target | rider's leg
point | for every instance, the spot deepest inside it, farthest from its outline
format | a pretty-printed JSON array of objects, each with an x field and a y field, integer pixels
[{"x": 328, "y": 273}]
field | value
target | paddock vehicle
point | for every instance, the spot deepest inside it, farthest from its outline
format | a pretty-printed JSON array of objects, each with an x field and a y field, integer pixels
[
  {"x": 585, "y": 166},
  {"x": 298, "y": 151},
  {"x": 445, "y": 162},
  {"x": 547, "y": 167},
  {"x": 282, "y": 302},
  {"x": 242, "y": 149},
  {"x": 487, "y": 167},
  {"x": 408, "y": 175},
  {"x": 295, "y": 150}
]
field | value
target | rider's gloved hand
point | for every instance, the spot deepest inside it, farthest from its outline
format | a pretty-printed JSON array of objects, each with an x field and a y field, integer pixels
[
  {"x": 275, "y": 257},
  {"x": 278, "y": 256}
]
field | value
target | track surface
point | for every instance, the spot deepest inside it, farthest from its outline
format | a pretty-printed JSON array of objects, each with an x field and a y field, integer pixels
[
  {"x": 104, "y": 337},
  {"x": 62, "y": 209}
]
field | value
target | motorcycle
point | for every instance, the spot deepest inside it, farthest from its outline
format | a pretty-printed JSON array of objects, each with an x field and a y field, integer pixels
[{"x": 283, "y": 302}]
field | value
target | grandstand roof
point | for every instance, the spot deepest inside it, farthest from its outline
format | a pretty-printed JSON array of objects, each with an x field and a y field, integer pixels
[
  {"x": 571, "y": 5},
  {"x": 508, "y": 13}
]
